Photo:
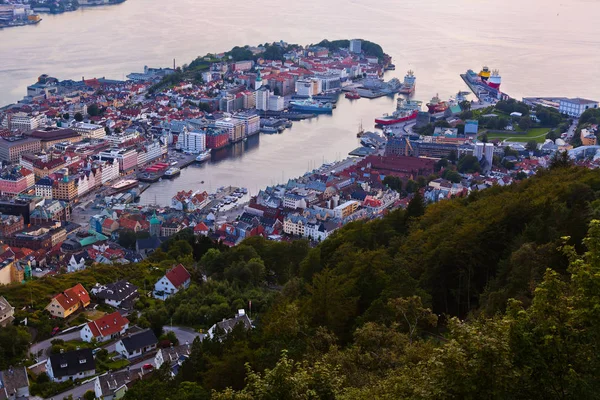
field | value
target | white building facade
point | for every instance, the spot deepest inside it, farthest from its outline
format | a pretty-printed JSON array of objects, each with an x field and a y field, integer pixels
[{"x": 575, "y": 107}]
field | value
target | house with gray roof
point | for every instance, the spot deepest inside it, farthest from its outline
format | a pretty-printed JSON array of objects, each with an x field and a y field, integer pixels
[
  {"x": 224, "y": 327},
  {"x": 14, "y": 383}
]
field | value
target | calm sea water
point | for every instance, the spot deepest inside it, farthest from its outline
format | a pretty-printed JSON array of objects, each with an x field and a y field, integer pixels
[{"x": 541, "y": 47}]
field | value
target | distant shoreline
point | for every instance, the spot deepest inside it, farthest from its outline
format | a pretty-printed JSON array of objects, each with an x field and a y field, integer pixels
[{"x": 47, "y": 10}]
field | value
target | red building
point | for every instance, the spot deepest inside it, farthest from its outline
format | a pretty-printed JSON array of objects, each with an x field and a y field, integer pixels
[{"x": 215, "y": 139}]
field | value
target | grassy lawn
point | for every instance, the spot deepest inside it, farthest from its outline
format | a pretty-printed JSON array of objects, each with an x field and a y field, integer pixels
[
  {"x": 537, "y": 134},
  {"x": 94, "y": 314}
]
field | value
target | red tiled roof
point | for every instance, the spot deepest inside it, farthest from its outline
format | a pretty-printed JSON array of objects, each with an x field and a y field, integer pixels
[
  {"x": 201, "y": 227},
  {"x": 108, "y": 325},
  {"x": 72, "y": 296},
  {"x": 178, "y": 275},
  {"x": 107, "y": 223}
]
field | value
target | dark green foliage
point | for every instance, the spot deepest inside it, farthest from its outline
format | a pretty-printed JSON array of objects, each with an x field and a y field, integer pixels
[
  {"x": 393, "y": 182},
  {"x": 369, "y": 48},
  {"x": 468, "y": 164},
  {"x": 548, "y": 117},
  {"x": 511, "y": 105},
  {"x": 240, "y": 53},
  {"x": 14, "y": 343},
  {"x": 94, "y": 111}
]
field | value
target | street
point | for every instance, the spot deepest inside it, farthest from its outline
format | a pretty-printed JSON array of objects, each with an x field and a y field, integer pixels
[
  {"x": 184, "y": 335},
  {"x": 39, "y": 349}
]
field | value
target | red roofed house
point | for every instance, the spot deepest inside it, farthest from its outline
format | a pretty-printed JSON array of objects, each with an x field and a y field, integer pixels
[
  {"x": 176, "y": 279},
  {"x": 131, "y": 224},
  {"x": 109, "y": 226},
  {"x": 71, "y": 300},
  {"x": 201, "y": 229},
  {"x": 105, "y": 328}
]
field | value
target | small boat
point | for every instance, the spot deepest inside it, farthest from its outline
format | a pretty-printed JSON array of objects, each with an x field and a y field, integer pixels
[
  {"x": 205, "y": 155},
  {"x": 268, "y": 129},
  {"x": 352, "y": 95},
  {"x": 172, "y": 172}
]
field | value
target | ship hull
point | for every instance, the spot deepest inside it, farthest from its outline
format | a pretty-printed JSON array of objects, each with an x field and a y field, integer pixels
[
  {"x": 436, "y": 108},
  {"x": 392, "y": 121},
  {"x": 407, "y": 90},
  {"x": 173, "y": 175}
]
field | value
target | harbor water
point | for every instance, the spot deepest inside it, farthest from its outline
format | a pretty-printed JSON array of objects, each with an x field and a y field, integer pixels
[{"x": 541, "y": 47}]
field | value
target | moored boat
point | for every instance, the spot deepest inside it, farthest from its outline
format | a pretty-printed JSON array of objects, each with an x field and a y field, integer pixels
[
  {"x": 436, "y": 105},
  {"x": 205, "y": 155}
]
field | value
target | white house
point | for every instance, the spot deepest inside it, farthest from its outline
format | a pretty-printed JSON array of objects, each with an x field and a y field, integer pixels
[
  {"x": 176, "y": 279},
  {"x": 226, "y": 326},
  {"x": 113, "y": 385},
  {"x": 72, "y": 365},
  {"x": 120, "y": 294},
  {"x": 174, "y": 356},
  {"x": 575, "y": 107},
  {"x": 76, "y": 263},
  {"x": 136, "y": 345},
  {"x": 105, "y": 328}
]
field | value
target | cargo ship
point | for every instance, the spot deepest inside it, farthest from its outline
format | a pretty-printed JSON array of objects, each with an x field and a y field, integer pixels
[
  {"x": 205, "y": 155},
  {"x": 352, "y": 95},
  {"x": 436, "y": 105},
  {"x": 172, "y": 172},
  {"x": 491, "y": 79},
  {"x": 310, "y": 105},
  {"x": 405, "y": 111},
  {"x": 410, "y": 82}
]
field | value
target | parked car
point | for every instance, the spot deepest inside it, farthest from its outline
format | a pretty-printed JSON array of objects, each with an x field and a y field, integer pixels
[
  {"x": 55, "y": 331},
  {"x": 148, "y": 367}
]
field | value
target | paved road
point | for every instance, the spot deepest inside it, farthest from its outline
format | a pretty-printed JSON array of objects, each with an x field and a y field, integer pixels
[
  {"x": 184, "y": 335},
  {"x": 79, "y": 391},
  {"x": 39, "y": 349}
]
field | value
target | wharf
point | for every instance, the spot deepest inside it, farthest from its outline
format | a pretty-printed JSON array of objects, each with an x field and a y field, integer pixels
[
  {"x": 291, "y": 115},
  {"x": 471, "y": 86},
  {"x": 325, "y": 98},
  {"x": 362, "y": 151}
]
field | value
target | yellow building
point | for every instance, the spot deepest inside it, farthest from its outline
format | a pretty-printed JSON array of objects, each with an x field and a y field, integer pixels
[
  {"x": 64, "y": 304},
  {"x": 346, "y": 209},
  {"x": 588, "y": 138},
  {"x": 64, "y": 189}
]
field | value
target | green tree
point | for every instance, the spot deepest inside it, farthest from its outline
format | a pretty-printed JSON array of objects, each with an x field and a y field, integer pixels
[
  {"x": 416, "y": 207},
  {"x": 412, "y": 315},
  {"x": 441, "y": 163},
  {"x": 78, "y": 117},
  {"x": 525, "y": 123},
  {"x": 560, "y": 159},
  {"x": 127, "y": 238},
  {"x": 288, "y": 380},
  {"x": 452, "y": 176},
  {"x": 94, "y": 111},
  {"x": 14, "y": 343},
  {"x": 89, "y": 395},
  {"x": 465, "y": 105},
  {"x": 468, "y": 164},
  {"x": 66, "y": 116},
  {"x": 452, "y": 157},
  {"x": 393, "y": 182},
  {"x": 412, "y": 186},
  {"x": 330, "y": 303},
  {"x": 531, "y": 145}
]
